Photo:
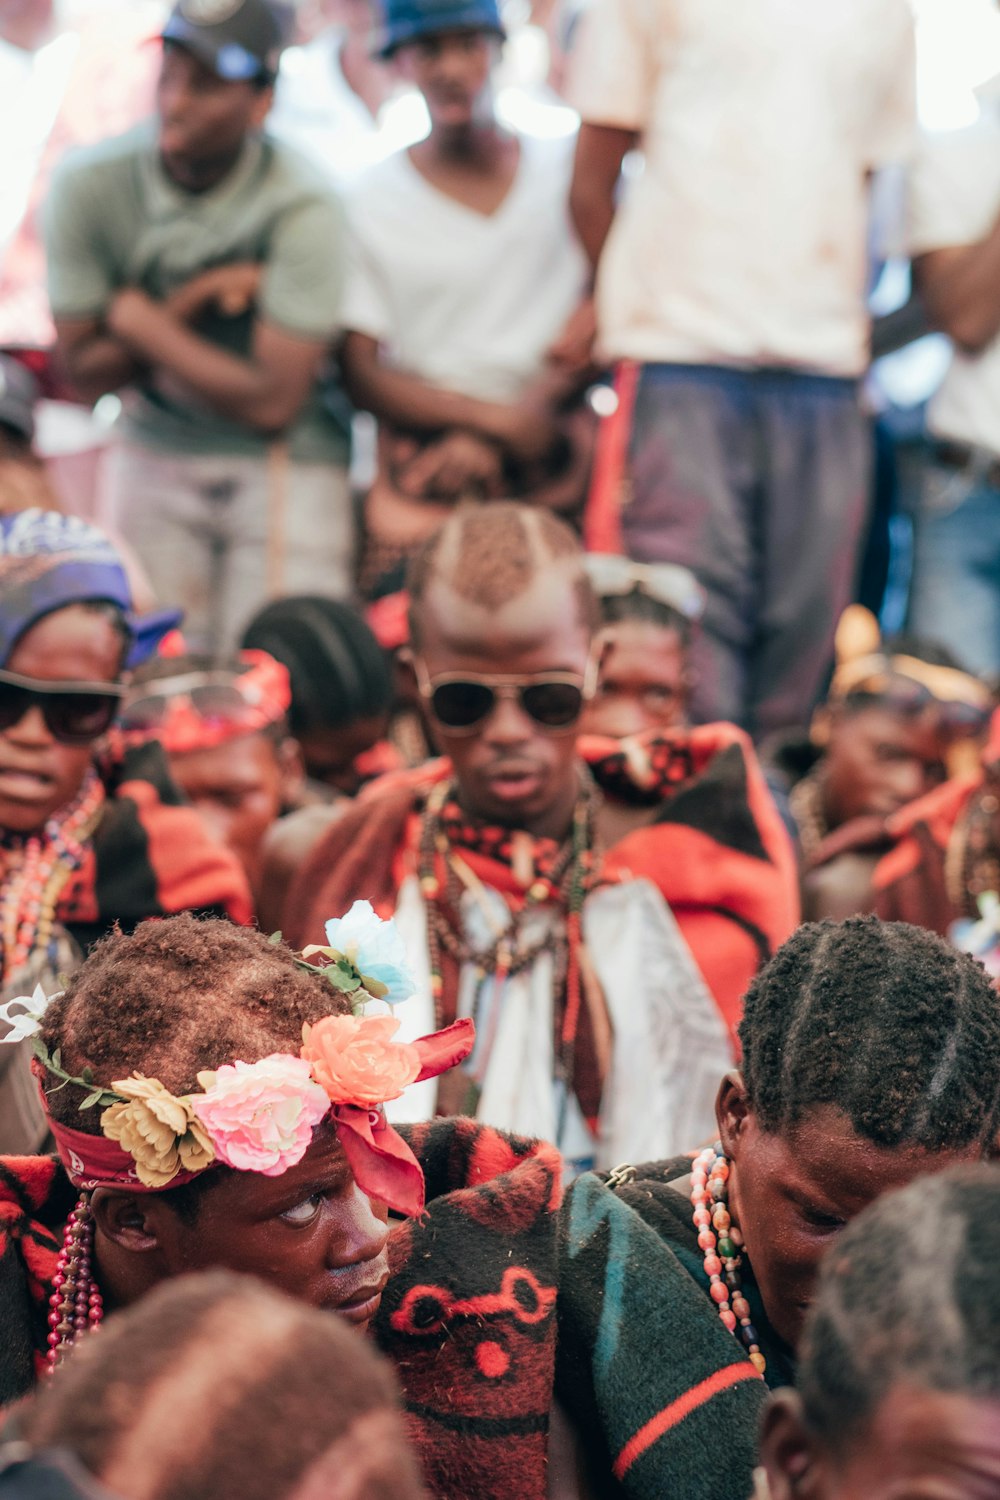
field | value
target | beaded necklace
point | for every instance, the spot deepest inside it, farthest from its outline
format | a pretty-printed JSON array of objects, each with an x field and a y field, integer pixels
[
  {"x": 722, "y": 1244},
  {"x": 35, "y": 870},
  {"x": 567, "y": 883},
  {"x": 972, "y": 859},
  {"x": 76, "y": 1304}
]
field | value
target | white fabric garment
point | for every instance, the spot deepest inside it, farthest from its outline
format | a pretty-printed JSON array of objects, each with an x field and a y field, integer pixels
[
  {"x": 743, "y": 240},
  {"x": 954, "y": 200},
  {"x": 671, "y": 1047},
  {"x": 468, "y": 301}
]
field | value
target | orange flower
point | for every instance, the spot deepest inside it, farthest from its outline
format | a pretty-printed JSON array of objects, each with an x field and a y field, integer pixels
[{"x": 355, "y": 1059}]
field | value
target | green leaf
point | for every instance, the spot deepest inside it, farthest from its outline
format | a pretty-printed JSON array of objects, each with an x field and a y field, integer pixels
[
  {"x": 91, "y": 1099},
  {"x": 275, "y": 939},
  {"x": 375, "y": 987}
]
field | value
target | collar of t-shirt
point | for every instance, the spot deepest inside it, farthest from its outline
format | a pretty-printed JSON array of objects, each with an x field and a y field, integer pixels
[{"x": 165, "y": 198}]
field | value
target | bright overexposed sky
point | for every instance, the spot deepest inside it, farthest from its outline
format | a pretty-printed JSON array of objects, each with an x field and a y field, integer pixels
[{"x": 958, "y": 48}]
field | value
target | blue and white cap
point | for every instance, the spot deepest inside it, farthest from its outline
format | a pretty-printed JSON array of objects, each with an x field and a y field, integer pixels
[
  {"x": 48, "y": 561},
  {"x": 239, "y": 40}
]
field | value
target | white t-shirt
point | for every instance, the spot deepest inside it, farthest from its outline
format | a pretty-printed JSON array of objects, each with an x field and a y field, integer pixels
[
  {"x": 743, "y": 239},
  {"x": 954, "y": 200},
  {"x": 468, "y": 301}
]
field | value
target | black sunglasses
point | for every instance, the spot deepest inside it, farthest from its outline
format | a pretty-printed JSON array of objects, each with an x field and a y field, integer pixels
[
  {"x": 75, "y": 713},
  {"x": 461, "y": 701}
]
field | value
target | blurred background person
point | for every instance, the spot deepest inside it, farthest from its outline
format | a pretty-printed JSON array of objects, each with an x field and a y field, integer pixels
[
  {"x": 648, "y": 617},
  {"x": 197, "y": 265},
  {"x": 341, "y": 689},
  {"x": 748, "y": 455},
  {"x": 215, "y": 1387},
  {"x": 24, "y": 483},
  {"x": 461, "y": 304},
  {"x": 223, "y": 726}
]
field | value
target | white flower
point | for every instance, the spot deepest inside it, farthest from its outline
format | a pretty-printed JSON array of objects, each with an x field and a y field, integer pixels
[
  {"x": 375, "y": 948},
  {"x": 34, "y": 1007}
]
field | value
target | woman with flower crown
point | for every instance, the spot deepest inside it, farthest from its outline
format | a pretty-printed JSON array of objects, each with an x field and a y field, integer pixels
[{"x": 217, "y": 1101}]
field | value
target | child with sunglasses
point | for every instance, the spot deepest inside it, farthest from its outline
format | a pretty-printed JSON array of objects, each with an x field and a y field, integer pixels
[
  {"x": 88, "y": 838},
  {"x": 598, "y": 908}
]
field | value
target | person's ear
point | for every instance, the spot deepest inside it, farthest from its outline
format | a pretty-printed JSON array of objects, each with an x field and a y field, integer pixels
[
  {"x": 293, "y": 771},
  {"x": 732, "y": 1112},
  {"x": 406, "y": 675},
  {"x": 788, "y": 1451},
  {"x": 125, "y": 1219},
  {"x": 261, "y": 106}
]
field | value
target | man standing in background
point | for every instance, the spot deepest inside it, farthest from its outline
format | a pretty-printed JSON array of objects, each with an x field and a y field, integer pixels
[
  {"x": 197, "y": 265},
  {"x": 732, "y": 274}
]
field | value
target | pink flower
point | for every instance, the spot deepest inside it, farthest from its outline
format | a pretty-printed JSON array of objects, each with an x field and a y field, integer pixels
[
  {"x": 356, "y": 1060},
  {"x": 260, "y": 1116}
]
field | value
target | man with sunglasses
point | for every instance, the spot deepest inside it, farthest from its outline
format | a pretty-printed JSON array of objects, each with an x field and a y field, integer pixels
[{"x": 597, "y": 908}]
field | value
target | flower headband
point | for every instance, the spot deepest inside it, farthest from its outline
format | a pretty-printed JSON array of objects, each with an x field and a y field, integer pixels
[{"x": 260, "y": 1117}]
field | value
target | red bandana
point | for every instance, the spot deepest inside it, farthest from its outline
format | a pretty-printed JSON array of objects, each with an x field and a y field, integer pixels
[{"x": 383, "y": 1165}]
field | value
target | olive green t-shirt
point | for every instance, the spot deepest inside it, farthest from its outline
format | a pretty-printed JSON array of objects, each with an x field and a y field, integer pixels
[{"x": 114, "y": 219}]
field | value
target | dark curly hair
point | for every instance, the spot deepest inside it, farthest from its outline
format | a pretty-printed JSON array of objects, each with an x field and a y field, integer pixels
[
  {"x": 883, "y": 1020},
  {"x": 175, "y": 997},
  {"x": 908, "y": 1294},
  {"x": 215, "y": 1387}
]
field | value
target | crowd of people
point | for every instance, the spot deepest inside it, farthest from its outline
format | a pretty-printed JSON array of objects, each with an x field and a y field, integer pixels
[{"x": 499, "y": 943}]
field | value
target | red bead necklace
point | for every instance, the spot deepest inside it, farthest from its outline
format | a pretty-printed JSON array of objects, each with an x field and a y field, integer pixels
[
  {"x": 722, "y": 1245},
  {"x": 76, "y": 1304}
]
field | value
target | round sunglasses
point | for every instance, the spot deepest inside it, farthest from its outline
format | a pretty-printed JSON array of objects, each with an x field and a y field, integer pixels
[
  {"x": 462, "y": 701},
  {"x": 75, "y": 713}
]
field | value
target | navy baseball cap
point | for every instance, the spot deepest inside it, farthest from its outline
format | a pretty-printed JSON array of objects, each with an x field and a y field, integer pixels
[
  {"x": 48, "y": 561},
  {"x": 239, "y": 40},
  {"x": 409, "y": 20}
]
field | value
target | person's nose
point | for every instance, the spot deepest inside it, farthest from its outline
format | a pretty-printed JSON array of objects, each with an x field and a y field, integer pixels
[
  {"x": 508, "y": 724},
  {"x": 363, "y": 1235}
]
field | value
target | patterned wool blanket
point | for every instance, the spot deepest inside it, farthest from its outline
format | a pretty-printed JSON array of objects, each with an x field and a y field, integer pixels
[{"x": 662, "y": 1398}]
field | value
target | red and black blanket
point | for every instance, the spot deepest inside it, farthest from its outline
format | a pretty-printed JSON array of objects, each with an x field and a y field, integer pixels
[{"x": 663, "y": 1400}]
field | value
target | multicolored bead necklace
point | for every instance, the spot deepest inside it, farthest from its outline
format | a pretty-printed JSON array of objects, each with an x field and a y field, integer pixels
[
  {"x": 35, "y": 870},
  {"x": 722, "y": 1245},
  {"x": 76, "y": 1304},
  {"x": 567, "y": 881}
]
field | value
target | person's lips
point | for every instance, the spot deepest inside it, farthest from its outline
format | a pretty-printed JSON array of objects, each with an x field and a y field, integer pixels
[
  {"x": 514, "y": 783},
  {"x": 356, "y": 1301},
  {"x": 21, "y": 784}
]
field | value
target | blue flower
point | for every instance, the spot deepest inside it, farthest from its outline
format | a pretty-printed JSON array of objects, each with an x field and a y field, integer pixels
[{"x": 375, "y": 949}]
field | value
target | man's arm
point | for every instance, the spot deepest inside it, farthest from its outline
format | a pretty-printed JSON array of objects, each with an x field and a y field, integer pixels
[
  {"x": 265, "y": 391},
  {"x": 600, "y": 151},
  {"x": 96, "y": 362},
  {"x": 405, "y": 401},
  {"x": 960, "y": 287}
]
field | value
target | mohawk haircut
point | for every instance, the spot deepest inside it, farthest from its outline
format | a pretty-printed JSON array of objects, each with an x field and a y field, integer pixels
[
  {"x": 490, "y": 554},
  {"x": 884, "y": 1021},
  {"x": 908, "y": 1295},
  {"x": 215, "y": 1387}
]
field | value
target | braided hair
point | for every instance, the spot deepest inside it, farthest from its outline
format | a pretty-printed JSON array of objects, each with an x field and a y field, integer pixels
[
  {"x": 884, "y": 1021},
  {"x": 215, "y": 1387},
  {"x": 907, "y": 1294},
  {"x": 339, "y": 672}
]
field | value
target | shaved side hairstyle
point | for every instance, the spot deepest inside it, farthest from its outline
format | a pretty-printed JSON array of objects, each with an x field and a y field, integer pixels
[
  {"x": 215, "y": 1387},
  {"x": 490, "y": 554},
  {"x": 907, "y": 1296}
]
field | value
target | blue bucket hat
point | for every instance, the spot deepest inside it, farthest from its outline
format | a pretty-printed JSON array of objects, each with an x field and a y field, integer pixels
[
  {"x": 408, "y": 20},
  {"x": 48, "y": 561}
]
